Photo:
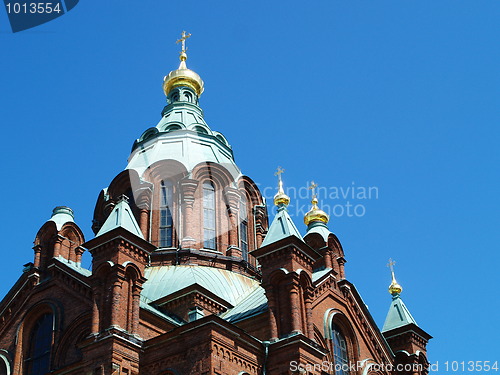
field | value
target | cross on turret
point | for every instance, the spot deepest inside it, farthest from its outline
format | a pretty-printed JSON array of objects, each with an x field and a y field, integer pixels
[
  {"x": 278, "y": 172},
  {"x": 313, "y": 187},
  {"x": 183, "y": 41}
]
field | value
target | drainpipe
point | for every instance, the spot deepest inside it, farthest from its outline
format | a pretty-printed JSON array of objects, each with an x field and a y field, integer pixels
[{"x": 266, "y": 354}]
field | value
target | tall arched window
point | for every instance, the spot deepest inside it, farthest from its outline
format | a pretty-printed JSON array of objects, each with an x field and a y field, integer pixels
[
  {"x": 166, "y": 223},
  {"x": 40, "y": 345},
  {"x": 339, "y": 352},
  {"x": 243, "y": 228},
  {"x": 209, "y": 237},
  {"x": 4, "y": 365}
]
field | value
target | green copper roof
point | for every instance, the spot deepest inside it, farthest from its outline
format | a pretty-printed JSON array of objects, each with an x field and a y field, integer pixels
[
  {"x": 62, "y": 215},
  {"x": 281, "y": 227},
  {"x": 398, "y": 315},
  {"x": 254, "y": 303},
  {"x": 121, "y": 217},
  {"x": 165, "y": 280},
  {"x": 320, "y": 228}
]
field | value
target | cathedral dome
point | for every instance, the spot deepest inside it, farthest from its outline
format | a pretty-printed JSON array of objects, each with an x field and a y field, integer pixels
[{"x": 183, "y": 77}]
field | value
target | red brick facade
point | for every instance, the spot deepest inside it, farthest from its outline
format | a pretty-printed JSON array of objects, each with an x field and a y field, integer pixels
[{"x": 243, "y": 308}]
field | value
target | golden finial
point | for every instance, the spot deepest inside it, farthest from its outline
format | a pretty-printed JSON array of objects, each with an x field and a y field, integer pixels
[
  {"x": 394, "y": 288},
  {"x": 183, "y": 55},
  {"x": 315, "y": 214},
  {"x": 280, "y": 198},
  {"x": 183, "y": 76}
]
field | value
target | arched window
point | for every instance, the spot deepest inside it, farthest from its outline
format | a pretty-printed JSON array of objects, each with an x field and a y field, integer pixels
[
  {"x": 4, "y": 365},
  {"x": 243, "y": 229},
  {"x": 40, "y": 345},
  {"x": 339, "y": 352},
  {"x": 172, "y": 128},
  {"x": 166, "y": 223},
  {"x": 209, "y": 240},
  {"x": 200, "y": 130}
]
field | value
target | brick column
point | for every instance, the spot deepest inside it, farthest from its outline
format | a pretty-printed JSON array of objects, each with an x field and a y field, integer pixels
[
  {"x": 115, "y": 302},
  {"x": 309, "y": 317},
  {"x": 259, "y": 213},
  {"x": 37, "y": 260},
  {"x": 188, "y": 189},
  {"x": 79, "y": 252},
  {"x": 143, "y": 202},
  {"x": 136, "y": 294},
  {"x": 341, "y": 261},
  {"x": 271, "y": 303},
  {"x": 57, "y": 246},
  {"x": 232, "y": 197},
  {"x": 327, "y": 255},
  {"x": 293, "y": 290},
  {"x": 96, "y": 296}
]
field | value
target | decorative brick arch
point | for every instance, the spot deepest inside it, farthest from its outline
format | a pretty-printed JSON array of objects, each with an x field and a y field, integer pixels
[
  {"x": 226, "y": 200},
  {"x": 27, "y": 325},
  {"x": 167, "y": 171},
  {"x": 71, "y": 237},
  {"x": 257, "y": 212},
  {"x": 44, "y": 244},
  {"x": 67, "y": 351},
  {"x": 335, "y": 316}
]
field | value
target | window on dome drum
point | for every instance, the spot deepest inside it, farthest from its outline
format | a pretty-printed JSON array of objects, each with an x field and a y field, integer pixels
[
  {"x": 172, "y": 128},
  {"x": 166, "y": 222},
  {"x": 200, "y": 130},
  {"x": 243, "y": 229},
  {"x": 209, "y": 216},
  {"x": 40, "y": 345},
  {"x": 340, "y": 352}
]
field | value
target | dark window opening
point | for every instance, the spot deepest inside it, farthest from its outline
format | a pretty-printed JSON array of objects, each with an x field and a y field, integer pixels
[{"x": 40, "y": 345}]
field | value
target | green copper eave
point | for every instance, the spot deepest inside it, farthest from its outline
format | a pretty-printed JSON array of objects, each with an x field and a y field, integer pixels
[
  {"x": 121, "y": 216},
  {"x": 398, "y": 315},
  {"x": 281, "y": 227}
]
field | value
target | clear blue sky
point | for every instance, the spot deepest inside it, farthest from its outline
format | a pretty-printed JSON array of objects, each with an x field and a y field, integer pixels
[{"x": 398, "y": 95}]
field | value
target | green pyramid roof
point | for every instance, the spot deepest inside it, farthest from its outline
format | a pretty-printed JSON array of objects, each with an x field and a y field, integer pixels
[
  {"x": 398, "y": 315},
  {"x": 281, "y": 227},
  {"x": 121, "y": 217}
]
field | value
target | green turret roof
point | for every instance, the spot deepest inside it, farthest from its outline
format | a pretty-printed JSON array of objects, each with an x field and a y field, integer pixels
[
  {"x": 398, "y": 315},
  {"x": 281, "y": 227},
  {"x": 121, "y": 216},
  {"x": 62, "y": 215}
]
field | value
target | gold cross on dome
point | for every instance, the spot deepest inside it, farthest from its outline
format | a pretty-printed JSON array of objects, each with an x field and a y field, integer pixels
[
  {"x": 278, "y": 172},
  {"x": 391, "y": 264},
  {"x": 183, "y": 40},
  {"x": 313, "y": 188}
]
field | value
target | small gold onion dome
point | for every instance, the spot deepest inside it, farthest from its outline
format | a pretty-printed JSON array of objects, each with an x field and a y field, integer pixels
[
  {"x": 280, "y": 197},
  {"x": 183, "y": 77},
  {"x": 315, "y": 214},
  {"x": 395, "y": 288}
]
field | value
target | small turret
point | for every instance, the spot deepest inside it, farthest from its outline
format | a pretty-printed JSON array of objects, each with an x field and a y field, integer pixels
[{"x": 406, "y": 339}]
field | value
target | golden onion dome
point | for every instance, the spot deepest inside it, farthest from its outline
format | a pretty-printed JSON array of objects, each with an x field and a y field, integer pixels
[
  {"x": 183, "y": 77},
  {"x": 281, "y": 198},
  {"x": 315, "y": 214},
  {"x": 395, "y": 288}
]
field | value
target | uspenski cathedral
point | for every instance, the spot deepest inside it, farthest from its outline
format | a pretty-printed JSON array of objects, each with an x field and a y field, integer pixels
[{"x": 188, "y": 277}]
